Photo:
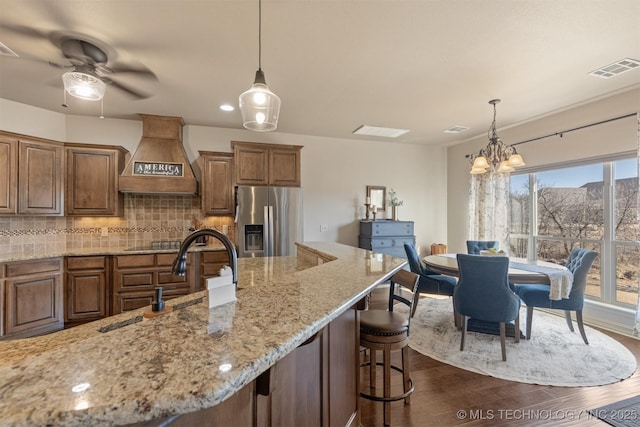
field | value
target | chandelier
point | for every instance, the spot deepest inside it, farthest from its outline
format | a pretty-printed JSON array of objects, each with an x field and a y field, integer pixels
[{"x": 496, "y": 155}]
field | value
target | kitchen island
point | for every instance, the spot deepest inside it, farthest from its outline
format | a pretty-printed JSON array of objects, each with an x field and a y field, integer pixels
[{"x": 126, "y": 369}]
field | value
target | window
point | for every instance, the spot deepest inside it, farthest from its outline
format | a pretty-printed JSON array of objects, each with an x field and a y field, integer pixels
[{"x": 593, "y": 206}]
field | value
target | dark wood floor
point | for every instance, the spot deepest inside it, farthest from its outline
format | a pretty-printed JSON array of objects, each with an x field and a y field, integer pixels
[{"x": 448, "y": 396}]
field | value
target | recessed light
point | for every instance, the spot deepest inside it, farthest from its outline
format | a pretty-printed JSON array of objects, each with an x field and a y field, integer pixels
[
  {"x": 380, "y": 131},
  {"x": 227, "y": 107}
]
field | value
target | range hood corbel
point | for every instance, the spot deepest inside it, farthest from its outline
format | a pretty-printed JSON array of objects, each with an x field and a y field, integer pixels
[{"x": 160, "y": 164}]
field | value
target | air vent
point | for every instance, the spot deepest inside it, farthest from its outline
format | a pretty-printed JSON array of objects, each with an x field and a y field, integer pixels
[
  {"x": 616, "y": 68},
  {"x": 379, "y": 131},
  {"x": 5, "y": 51},
  {"x": 456, "y": 129}
]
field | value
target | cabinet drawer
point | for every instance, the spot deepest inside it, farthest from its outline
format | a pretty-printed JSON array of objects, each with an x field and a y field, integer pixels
[
  {"x": 86, "y": 262},
  {"x": 22, "y": 268},
  {"x": 124, "y": 261},
  {"x": 215, "y": 256},
  {"x": 390, "y": 242},
  {"x": 386, "y": 228}
]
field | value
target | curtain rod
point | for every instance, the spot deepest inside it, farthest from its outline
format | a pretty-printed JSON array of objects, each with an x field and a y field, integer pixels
[{"x": 562, "y": 132}]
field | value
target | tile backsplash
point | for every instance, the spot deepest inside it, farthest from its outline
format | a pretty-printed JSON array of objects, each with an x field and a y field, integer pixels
[{"x": 147, "y": 219}]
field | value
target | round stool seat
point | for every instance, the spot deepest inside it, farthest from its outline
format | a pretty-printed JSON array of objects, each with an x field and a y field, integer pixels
[{"x": 384, "y": 323}]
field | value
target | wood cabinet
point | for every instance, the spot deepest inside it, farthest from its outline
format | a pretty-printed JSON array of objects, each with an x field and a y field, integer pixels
[
  {"x": 317, "y": 384},
  {"x": 86, "y": 289},
  {"x": 32, "y": 297},
  {"x": 217, "y": 183},
  {"x": 8, "y": 174},
  {"x": 32, "y": 182},
  {"x": 210, "y": 265},
  {"x": 135, "y": 278},
  {"x": 92, "y": 180},
  {"x": 386, "y": 236},
  {"x": 267, "y": 164}
]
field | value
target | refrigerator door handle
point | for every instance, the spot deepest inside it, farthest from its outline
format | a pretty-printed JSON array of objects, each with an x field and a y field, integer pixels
[{"x": 269, "y": 237}]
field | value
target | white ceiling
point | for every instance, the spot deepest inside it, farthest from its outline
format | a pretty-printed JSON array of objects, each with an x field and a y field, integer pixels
[{"x": 336, "y": 64}]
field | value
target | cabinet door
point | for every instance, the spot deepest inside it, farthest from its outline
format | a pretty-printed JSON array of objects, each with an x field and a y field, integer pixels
[
  {"x": 210, "y": 265},
  {"x": 86, "y": 289},
  {"x": 92, "y": 182},
  {"x": 217, "y": 184},
  {"x": 251, "y": 165},
  {"x": 8, "y": 175},
  {"x": 284, "y": 167},
  {"x": 40, "y": 178},
  {"x": 33, "y": 298}
]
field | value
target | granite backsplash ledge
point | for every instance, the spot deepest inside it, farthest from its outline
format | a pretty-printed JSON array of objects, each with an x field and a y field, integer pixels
[{"x": 147, "y": 219}]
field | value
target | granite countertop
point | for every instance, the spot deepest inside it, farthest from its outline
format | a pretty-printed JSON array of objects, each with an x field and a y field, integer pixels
[
  {"x": 189, "y": 359},
  {"x": 116, "y": 250}
]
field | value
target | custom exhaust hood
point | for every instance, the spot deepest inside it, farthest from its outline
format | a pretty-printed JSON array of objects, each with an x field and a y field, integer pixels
[{"x": 159, "y": 165}]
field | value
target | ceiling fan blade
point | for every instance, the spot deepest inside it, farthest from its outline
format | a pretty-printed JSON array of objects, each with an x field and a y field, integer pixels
[
  {"x": 83, "y": 51},
  {"x": 133, "y": 92}
]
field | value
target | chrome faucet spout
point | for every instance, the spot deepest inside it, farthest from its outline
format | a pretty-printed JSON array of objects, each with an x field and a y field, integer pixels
[{"x": 179, "y": 266}]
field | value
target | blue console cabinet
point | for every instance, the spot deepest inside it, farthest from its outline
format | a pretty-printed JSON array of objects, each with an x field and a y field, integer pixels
[{"x": 386, "y": 236}]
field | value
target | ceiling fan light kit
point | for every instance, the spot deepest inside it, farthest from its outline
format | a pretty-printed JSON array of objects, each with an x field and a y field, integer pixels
[
  {"x": 83, "y": 86},
  {"x": 259, "y": 106}
]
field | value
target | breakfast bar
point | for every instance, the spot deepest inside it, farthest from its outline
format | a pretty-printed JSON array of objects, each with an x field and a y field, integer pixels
[{"x": 191, "y": 361}]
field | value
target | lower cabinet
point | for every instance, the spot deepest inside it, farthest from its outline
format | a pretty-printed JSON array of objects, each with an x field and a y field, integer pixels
[
  {"x": 31, "y": 297},
  {"x": 86, "y": 289},
  {"x": 135, "y": 278}
]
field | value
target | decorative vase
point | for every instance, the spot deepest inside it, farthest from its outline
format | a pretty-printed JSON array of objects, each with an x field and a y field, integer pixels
[{"x": 394, "y": 213}]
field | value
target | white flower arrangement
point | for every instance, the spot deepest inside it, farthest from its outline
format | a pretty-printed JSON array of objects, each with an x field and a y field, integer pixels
[{"x": 393, "y": 198}]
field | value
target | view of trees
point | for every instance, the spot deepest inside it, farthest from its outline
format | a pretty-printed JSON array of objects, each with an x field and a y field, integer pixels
[{"x": 575, "y": 217}]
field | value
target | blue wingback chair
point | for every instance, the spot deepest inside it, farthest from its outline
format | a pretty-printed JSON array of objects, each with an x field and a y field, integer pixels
[
  {"x": 483, "y": 293},
  {"x": 475, "y": 246},
  {"x": 430, "y": 282},
  {"x": 579, "y": 263}
]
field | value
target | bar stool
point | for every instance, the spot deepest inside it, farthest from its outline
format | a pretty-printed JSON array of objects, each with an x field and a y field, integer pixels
[{"x": 387, "y": 330}]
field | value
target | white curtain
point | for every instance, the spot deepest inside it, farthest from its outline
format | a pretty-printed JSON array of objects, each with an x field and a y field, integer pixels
[
  {"x": 489, "y": 208},
  {"x": 636, "y": 330}
]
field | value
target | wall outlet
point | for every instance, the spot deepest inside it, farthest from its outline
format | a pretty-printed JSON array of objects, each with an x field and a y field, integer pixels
[
  {"x": 324, "y": 227},
  {"x": 104, "y": 231},
  {"x": 225, "y": 229}
]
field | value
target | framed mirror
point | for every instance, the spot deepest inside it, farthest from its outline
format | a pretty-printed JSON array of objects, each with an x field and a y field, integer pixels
[{"x": 378, "y": 197}]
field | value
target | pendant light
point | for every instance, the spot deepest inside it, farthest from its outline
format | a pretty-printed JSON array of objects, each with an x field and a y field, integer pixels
[{"x": 259, "y": 106}]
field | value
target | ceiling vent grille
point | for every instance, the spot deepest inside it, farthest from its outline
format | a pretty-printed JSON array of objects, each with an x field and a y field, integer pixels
[
  {"x": 5, "y": 51},
  {"x": 456, "y": 129},
  {"x": 616, "y": 68}
]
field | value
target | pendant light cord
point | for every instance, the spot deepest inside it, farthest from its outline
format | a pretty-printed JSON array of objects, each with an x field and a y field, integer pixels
[{"x": 259, "y": 34}]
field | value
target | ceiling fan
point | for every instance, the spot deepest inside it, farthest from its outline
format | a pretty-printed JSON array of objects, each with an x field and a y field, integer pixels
[{"x": 90, "y": 73}]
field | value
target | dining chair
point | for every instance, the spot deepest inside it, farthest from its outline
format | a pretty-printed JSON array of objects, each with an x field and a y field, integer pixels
[
  {"x": 579, "y": 263},
  {"x": 475, "y": 246},
  {"x": 483, "y": 293},
  {"x": 388, "y": 330},
  {"x": 430, "y": 282}
]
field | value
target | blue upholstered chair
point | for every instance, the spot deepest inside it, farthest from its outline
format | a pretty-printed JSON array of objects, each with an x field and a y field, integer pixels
[
  {"x": 579, "y": 262},
  {"x": 483, "y": 293},
  {"x": 475, "y": 246},
  {"x": 430, "y": 282}
]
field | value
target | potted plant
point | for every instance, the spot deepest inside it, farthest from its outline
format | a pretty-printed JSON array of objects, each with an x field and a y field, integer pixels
[{"x": 394, "y": 202}]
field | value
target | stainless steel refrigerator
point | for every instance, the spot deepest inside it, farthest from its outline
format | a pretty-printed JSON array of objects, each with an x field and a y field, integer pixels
[{"x": 268, "y": 221}]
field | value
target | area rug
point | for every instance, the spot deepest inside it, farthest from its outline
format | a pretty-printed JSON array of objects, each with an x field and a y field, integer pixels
[
  {"x": 625, "y": 413},
  {"x": 553, "y": 356}
]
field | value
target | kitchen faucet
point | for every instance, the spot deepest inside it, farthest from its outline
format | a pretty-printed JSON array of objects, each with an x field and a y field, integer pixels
[{"x": 179, "y": 266}]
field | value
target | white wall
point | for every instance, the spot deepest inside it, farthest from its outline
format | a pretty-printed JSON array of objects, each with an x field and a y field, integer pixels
[
  {"x": 335, "y": 172},
  {"x": 611, "y": 138}
]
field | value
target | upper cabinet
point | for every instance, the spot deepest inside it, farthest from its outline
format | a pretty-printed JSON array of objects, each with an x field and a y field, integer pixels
[
  {"x": 217, "y": 183},
  {"x": 92, "y": 180},
  {"x": 267, "y": 164},
  {"x": 32, "y": 182}
]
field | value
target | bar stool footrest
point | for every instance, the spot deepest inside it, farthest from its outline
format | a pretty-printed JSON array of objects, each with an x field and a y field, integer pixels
[{"x": 390, "y": 398}]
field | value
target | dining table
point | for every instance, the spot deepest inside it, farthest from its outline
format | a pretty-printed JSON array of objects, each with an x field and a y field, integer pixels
[{"x": 521, "y": 270}]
